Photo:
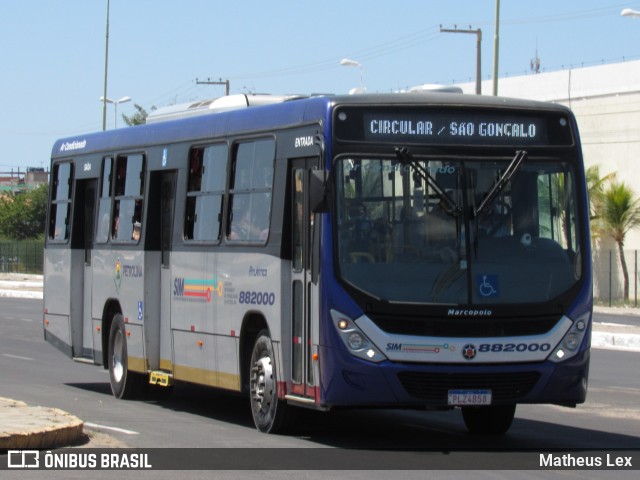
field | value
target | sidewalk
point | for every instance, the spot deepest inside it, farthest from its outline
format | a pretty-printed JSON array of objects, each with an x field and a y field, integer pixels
[
  {"x": 24, "y": 427},
  {"x": 29, "y": 427},
  {"x": 616, "y": 335},
  {"x": 20, "y": 285}
]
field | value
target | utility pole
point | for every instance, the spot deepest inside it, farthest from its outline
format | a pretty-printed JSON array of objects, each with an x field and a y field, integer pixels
[
  {"x": 219, "y": 82},
  {"x": 496, "y": 49},
  {"x": 478, "y": 34},
  {"x": 106, "y": 64}
]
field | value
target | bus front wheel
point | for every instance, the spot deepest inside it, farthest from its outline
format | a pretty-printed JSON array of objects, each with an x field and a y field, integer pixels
[
  {"x": 124, "y": 383},
  {"x": 488, "y": 420},
  {"x": 269, "y": 412}
]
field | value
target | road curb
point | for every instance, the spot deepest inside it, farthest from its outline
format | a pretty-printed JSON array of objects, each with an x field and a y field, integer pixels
[
  {"x": 25, "y": 427},
  {"x": 615, "y": 340}
]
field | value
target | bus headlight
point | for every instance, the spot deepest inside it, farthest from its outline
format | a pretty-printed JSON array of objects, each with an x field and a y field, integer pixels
[
  {"x": 571, "y": 342},
  {"x": 354, "y": 339}
]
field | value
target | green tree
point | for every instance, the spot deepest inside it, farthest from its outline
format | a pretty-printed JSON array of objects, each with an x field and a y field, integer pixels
[
  {"x": 620, "y": 214},
  {"x": 595, "y": 187},
  {"x": 23, "y": 215},
  {"x": 138, "y": 118}
]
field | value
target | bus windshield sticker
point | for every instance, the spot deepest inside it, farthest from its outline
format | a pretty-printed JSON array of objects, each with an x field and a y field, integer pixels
[{"x": 488, "y": 285}]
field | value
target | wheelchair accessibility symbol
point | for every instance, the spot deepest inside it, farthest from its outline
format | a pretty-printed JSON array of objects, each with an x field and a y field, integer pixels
[{"x": 488, "y": 285}]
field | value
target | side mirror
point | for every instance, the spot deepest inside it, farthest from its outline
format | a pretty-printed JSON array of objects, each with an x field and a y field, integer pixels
[{"x": 318, "y": 191}]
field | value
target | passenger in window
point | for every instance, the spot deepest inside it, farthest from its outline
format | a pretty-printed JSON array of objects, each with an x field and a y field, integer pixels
[
  {"x": 359, "y": 221},
  {"x": 358, "y": 231},
  {"x": 441, "y": 230},
  {"x": 116, "y": 220},
  {"x": 497, "y": 221},
  {"x": 381, "y": 240},
  {"x": 60, "y": 233},
  {"x": 249, "y": 225},
  {"x": 240, "y": 227},
  {"x": 136, "y": 231},
  {"x": 116, "y": 226}
]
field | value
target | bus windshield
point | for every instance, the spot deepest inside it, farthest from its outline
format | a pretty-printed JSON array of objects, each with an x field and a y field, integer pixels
[{"x": 448, "y": 230}]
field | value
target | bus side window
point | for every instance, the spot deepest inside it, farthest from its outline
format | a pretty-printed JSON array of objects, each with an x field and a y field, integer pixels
[
  {"x": 556, "y": 209},
  {"x": 251, "y": 192},
  {"x": 60, "y": 202},
  {"x": 206, "y": 184},
  {"x": 104, "y": 206},
  {"x": 127, "y": 205}
]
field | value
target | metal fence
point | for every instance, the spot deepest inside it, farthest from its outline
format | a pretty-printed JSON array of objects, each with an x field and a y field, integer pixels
[
  {"x": 21, "y": 256},
  {"x": 608, "y": 279}
]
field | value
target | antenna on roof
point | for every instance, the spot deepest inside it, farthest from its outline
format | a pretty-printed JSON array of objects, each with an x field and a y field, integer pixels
[{"x": 535, "y": 62}]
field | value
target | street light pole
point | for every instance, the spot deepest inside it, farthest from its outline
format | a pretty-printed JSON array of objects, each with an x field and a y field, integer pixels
[
  {"x": 352, "y": 63},
  {"x": 115, "y": 108},
  {"x": 106, "y": 63},
  {"x": 478, "y": 34},
  {"x": 496, "y": 48},
  {"x": 106, "y": 100},
  {"x": 628, "y": 12}
]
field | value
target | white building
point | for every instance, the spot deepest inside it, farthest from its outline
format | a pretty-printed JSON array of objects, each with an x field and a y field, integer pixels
[{"x": 606, "y": 102}]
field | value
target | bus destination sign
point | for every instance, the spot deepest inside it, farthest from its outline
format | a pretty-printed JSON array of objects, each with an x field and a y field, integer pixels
[
  {"x": 455, "y": 128},
  {"x": 452, "y": 127}
]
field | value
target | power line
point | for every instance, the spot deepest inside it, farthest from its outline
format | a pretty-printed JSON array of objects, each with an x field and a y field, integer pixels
[{"x": 390, "y": 47}]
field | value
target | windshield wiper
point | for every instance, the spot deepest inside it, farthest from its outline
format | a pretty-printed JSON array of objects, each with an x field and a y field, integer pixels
[
  {"x": 405, "y": 157},
  {"x": 513, "y": 167}
]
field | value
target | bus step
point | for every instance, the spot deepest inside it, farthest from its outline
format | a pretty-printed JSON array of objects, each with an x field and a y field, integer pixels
[
  {"x": 84, "y": 360},
  {"x": 160, "y": 378},
  {"x": 304, "y": 402}
]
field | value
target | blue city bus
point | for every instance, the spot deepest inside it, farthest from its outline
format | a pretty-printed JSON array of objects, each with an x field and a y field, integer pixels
[{"x": 419, "y": 250}]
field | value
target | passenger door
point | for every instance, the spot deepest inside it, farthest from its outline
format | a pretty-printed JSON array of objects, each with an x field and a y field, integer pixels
[
  {"x": 82, "y": 238},
  {"x": 158, "y": 243},
  {"x": 303, "y": 292}
]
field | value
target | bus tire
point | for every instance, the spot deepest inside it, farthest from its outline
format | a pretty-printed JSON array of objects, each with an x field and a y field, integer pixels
[
  {"x": 269, "y": 412},
  {"x": 490, "y": 420},
  {"x": 124, "y": 383}
]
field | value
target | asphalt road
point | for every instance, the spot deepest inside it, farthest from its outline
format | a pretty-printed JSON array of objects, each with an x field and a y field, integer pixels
[{"x": 193, "y": 417}]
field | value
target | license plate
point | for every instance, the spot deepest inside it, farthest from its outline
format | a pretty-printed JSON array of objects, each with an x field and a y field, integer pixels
[{"x": 469, "y": 397}]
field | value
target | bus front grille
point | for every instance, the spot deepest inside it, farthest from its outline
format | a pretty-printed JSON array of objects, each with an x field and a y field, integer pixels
[
  {"x": 434, "y": 387},
  {"x": 465, "y": 327}
]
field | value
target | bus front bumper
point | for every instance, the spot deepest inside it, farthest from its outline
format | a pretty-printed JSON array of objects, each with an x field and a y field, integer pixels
[{"x": 351, "y": 382}]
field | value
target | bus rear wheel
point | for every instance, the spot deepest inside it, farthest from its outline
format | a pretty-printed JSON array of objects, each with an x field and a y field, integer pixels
[
  {"x": 269, "y": 412},
  {"x": 489, "y": 420},
  {"x": 124, "y": 383}
]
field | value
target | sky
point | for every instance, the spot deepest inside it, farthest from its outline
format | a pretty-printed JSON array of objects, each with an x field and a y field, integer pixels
[{"x": 52, "y": 52}]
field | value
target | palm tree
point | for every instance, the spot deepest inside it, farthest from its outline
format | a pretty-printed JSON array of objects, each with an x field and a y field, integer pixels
[
  {"x": 620, "y": 214},
  {"x": 595, "y": 187},
  {"x": 138, "y": 118}
]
